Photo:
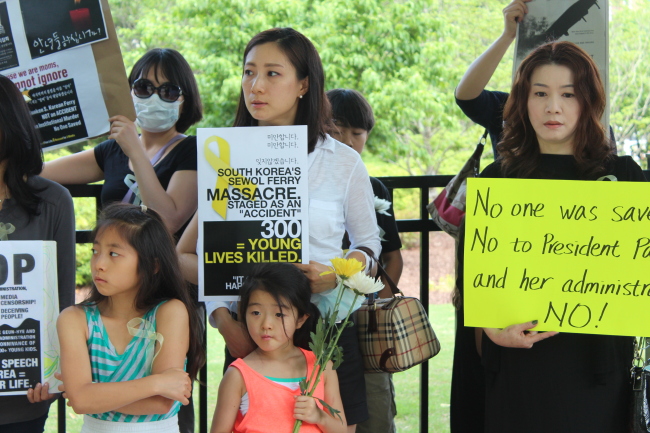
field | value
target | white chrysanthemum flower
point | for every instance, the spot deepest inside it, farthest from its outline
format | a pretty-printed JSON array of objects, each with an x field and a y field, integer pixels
[
  {"x": 363, "y": 284},
  {"x": 381, "y": 206}
]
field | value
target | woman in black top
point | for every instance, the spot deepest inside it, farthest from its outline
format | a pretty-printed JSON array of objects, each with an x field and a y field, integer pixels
[
  {"x": 158, "y": 167},
  {"x": 570, "y": 382}
]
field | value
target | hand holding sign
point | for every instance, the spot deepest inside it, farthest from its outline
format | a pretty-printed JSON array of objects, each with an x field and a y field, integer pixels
[
  {"x": 318, "y": 282},
  {"x": 125, "y": 133},
  {"x": 517, "y": 335},
  {"x": 40, "y": 393}
]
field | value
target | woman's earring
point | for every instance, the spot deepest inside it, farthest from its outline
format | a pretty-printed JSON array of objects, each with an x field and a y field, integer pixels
[{"x": 300, "y": 96}]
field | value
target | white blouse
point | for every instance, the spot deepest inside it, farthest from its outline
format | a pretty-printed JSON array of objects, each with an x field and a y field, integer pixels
[{"x": 340, "y": 200}]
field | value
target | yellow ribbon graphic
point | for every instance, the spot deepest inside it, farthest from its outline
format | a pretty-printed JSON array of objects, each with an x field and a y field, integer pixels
[
  {"x": 221, "y": 162},
  {"x": 142, "y": 328},
  {"x": 6, "y": 229}
]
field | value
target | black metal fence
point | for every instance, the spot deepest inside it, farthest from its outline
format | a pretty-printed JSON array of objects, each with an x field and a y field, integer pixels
[{"x": 422, "y": 225}]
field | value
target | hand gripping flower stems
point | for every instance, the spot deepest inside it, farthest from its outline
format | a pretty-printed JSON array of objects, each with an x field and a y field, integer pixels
[{"x": 324, "y": 342}]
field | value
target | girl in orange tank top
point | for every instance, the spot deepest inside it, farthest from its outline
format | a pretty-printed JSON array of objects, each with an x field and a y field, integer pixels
[{"x": 260, "y": 393}]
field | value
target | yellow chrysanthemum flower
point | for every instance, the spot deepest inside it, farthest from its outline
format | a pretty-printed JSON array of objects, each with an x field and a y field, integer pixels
[{"x": 345, "y": 268}]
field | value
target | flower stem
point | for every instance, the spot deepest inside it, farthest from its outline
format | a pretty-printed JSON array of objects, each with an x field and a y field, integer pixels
[
  {"x": 332, "y": 336},
  {"x": 333, "y": 344}
]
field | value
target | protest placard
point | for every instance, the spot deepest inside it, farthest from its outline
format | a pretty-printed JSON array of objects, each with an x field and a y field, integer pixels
[
  {"x": 572, "y": 255},
  {"x": 53, "y": 50},
  {"x": 29, "y": 306},
  {"x": 52, "y": 26},
  {"x": 253, "y": 204}
]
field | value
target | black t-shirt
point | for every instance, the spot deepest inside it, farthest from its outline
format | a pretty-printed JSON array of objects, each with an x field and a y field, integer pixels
[
  {"x": 115, "y": 165},
  {"x": 573, "y": 382},
  {"x": 390, "y": 240},
  {"x": 486, "y": 110}
]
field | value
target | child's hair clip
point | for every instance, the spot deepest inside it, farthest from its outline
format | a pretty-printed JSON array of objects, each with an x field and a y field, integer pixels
[{"x": 143, "y": 208}]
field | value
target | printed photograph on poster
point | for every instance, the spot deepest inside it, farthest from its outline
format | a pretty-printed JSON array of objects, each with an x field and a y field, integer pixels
[
  {"x": 253, "y": 203},
  {"x": 57, "y": 25},
  {"x": 29, "y": 306},
  {"x": 8, "y": 55},
  {"x": 583, "y": 22}
]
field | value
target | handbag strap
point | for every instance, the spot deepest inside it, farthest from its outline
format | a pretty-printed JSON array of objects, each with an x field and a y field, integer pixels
[
  {"x": 382, "y": 272},
  {"x": 479, "y": 151}
]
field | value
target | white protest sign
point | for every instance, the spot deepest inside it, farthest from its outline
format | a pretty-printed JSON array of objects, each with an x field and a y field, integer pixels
[
  {"x": 29, "y": 306},
  {"x": 253, "y": 204}
]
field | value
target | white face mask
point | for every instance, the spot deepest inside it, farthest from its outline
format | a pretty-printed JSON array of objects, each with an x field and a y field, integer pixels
[{"x": 154, "y": 114}]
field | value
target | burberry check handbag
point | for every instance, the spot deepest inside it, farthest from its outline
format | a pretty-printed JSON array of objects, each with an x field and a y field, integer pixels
[{"x": 394, "y": 333}]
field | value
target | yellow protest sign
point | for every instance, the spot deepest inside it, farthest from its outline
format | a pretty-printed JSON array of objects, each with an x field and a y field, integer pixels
[{"x": 573, "y": 255}]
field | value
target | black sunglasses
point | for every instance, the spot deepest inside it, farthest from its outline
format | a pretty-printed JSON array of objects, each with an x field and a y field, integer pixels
[{"x": 168, "y": 92}]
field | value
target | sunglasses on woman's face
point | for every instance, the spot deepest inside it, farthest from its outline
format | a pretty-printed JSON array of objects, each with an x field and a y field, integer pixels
[{"x": 143, "y": 88}]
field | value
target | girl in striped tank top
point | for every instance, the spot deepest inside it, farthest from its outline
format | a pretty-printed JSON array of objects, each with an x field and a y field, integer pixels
[
  {"x": 130, "y": 351},
  {"x": 260, "y": 393}
]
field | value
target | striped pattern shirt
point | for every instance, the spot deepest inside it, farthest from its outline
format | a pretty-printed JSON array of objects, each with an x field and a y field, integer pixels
[{"x": 134, "y": 363}]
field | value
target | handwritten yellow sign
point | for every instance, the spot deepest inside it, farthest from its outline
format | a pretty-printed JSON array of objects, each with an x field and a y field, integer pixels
[{"x": 573, "y": 255}]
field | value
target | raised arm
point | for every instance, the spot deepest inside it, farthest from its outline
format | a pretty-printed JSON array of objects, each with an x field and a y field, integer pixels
[
  {"x": 176, "y": 203},
  {"x": 159, "y": 389},
  {"x": 74, "y": 169},
  {"x": 480, "y": 71}
]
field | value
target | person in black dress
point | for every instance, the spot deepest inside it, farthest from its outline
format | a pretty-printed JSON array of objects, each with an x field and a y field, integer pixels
[{"x": 570, "y": 382}]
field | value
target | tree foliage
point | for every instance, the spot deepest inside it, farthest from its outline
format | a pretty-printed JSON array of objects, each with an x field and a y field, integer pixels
[
  {"x": 629, "y": 81},
  {"x": 406, "y": 57}
]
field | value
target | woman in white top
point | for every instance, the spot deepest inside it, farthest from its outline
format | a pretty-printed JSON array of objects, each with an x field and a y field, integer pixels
[{"x": 283, "y": 84}]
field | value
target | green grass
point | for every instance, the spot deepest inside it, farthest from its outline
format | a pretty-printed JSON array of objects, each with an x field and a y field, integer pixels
[{"x": 406, "y": 383}]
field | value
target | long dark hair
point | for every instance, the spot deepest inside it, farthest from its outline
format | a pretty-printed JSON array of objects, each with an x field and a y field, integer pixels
[
  {"x": 519, "y": 150},
  {"x": 158, "y": 268},
  {"x": 283, "y": 281},
  {"x": 175, "y": 68},
  {"x": 313, "y": 108},
  {"x": 20, "y": 147}
]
